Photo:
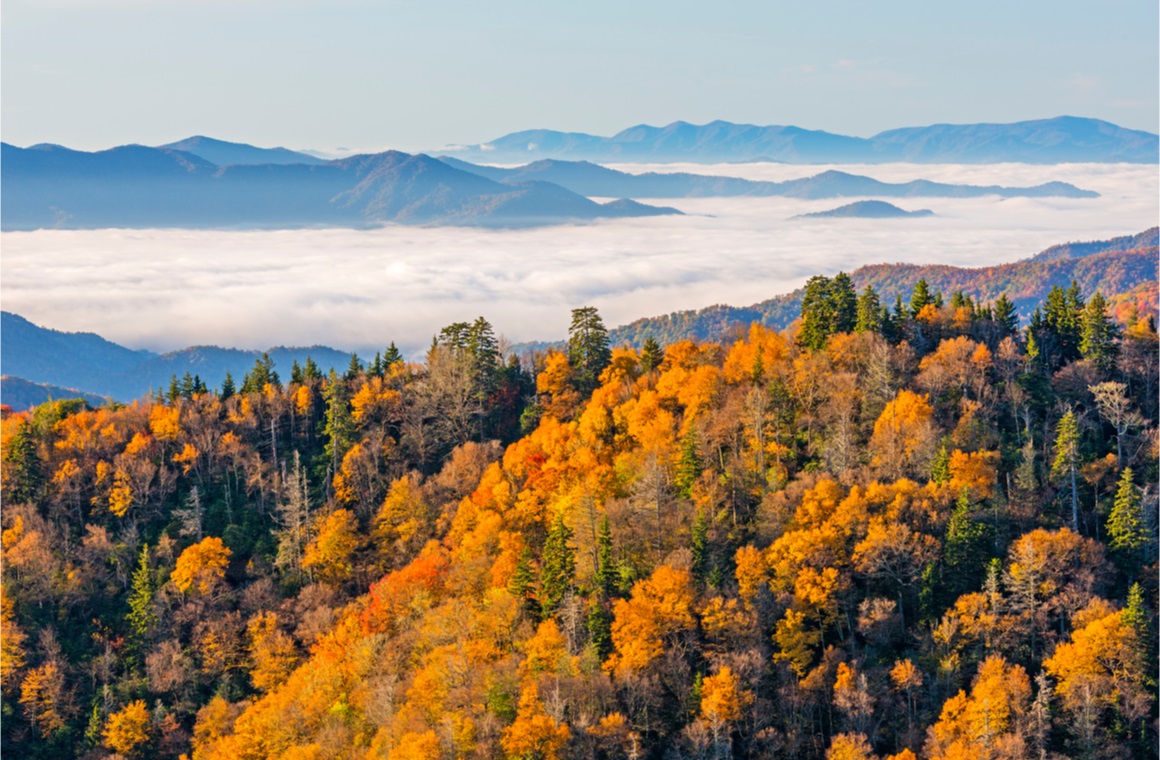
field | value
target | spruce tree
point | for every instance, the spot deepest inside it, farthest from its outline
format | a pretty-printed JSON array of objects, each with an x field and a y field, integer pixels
[
  {"x": 688, "y": 464},
  {"x": 141, "y": 616},
  {"x": 24, "y": 477},
  {"x": 1066, "y": 461},
  {"x": 520, "y": 585},
  {"x": 844, "y": 304},
  {"x": 228, "y": 388},
  {"x": 699, "y": 543},
  {"x": 965, "y": 550},
  {"x": 339, "y": 424},
  {"x": 869, "y": 317},
  {"x": 606, "y": 575},
  {"x": 354, "y": 369},
  {"x": 651, "y": 355},
  {"x": 920, "y": 298},
  {"x": 1005, "y": 316},
  {"x": 1098, "y": 335},
  {"x": 1127, "y": 534},
  {"x": 391, "y": 356},
  {"x": 558, "y": 569},
  {"x": 588, "y": 349}
]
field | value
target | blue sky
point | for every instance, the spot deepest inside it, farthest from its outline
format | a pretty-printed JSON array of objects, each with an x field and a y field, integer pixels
[{"x": 419, "y": 75}]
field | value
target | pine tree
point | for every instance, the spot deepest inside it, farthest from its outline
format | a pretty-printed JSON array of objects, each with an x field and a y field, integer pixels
[
  {"x": 965, "y": 550},
  {"x": 354, "y": 369},
  {"x": 845, "y": 304},
  {"x": 1066, "y": 461},
  {"x": 600, "y": 628},
  {"x": 559, "y": 567},
  {"x": 520, "y": 584},
  {"x": 261, "y": 375},
  {"x": 295, "y": 373},
  {"x": 940, "y": 468},
  {"x": 606, "y": 575},
  {"x": 339, "y": 425},
  {"x": 699, "y": 543},
  {"x": 1098, "y": 335},
  {"x": 1005, "y": 316},
  {"x": 391, "y": 356},
  {"x": 228, "y": 388},
  {"x": 869, "y": 317},
  {"x": 22, "y": 478},
  {"x": 920, "y": 298},
  {"x": 310, "y": 371},
  {"x": 688, "y": 464},
  {"x": 141, "y": 616},
  {"x": 651, "y": 355},
  {"x": 588, "y": 350},
  {"x": 1126, "y": 530}
]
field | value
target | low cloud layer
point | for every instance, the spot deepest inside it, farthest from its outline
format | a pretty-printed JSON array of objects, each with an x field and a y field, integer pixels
[{"x": 165, "y": 289}]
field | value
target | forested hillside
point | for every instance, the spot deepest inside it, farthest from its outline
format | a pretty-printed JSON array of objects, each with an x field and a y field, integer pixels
[{"x": 899, "y": 528}]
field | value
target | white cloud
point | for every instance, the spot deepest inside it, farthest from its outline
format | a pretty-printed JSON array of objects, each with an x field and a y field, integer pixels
[{"x": 166, "y": 289}]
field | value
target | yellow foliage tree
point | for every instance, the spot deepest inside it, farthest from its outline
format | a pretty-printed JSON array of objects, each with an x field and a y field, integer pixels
[
  {"x": 329, "y": 553},
  {"x": 128, "y": 729},
  {"x": 660, "y": 605},
  {"x": 272, "y": 653},
  {"x": 722, "y": 698},
  {"x": 903, "y": 435},
  {"x": 974, "y": 725},
  {"x": 201, "y": 566},
  {"x": 534, "y": 735}
]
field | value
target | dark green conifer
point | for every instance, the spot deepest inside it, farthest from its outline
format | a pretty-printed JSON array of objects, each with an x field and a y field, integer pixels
[
  {"x": 558, "y": 568},
  {"x": 651, "y": 355}
]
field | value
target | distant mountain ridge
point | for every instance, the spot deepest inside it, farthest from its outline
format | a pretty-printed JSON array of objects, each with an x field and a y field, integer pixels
[
  {"x": 223, "y": 153},
  {"x": 136, "y": 186},
  {"x": 591, "y": 179},
  {"x": 1117, "y": 267},
  {"x": 1057, "y": 140},
  {"x": 867, "y": 210},
  {"x": 97, "y": 366}
]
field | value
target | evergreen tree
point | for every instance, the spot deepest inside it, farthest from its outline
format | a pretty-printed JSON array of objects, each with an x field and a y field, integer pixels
[
  {"x": 391, "y": 356},
  {"x": 311, "y": 371},
  {"x": 699, "y": 544},
  {"x": 520, "y": 584},
  {"x": 651, "y": 355},
  {"x": 1005, "y": 316},
  {"x": 940, "y": 468},
  {"x": 1059, "y": 335},
  {"x": 845, "y": 304},
  {"x": 1098, "y": 335},
  {"x": 688, "y": 464},
  {"x": 228, "y": 388},
  {"x": 920, "y": 297},
  {"x": 559, "y": 566},
  {"x": 600, "y": 628},
  {"x": 870, "y": 313},
  {"x": 965, "y": 550},
  {"x": 354, "y": 369},
  {"x": 588, "y": 350},
  {"x": 261, "y": 375},
  {"x": 1126, "y": 530},
  {"x": 295, "y": 373},
  {"x": 141, "y": 615},
  {"x": 376, "y": 368},
  {"x": 174, "y": 391},
  {"x": 606, "y": 572},
  {"x": 339, "y": 428},
  {"x": 23, "y": 477},
  {"x": 1067, "y": 459}
]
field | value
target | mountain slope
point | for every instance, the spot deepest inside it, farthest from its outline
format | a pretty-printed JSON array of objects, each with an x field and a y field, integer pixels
[
  {"x": 1118, "y": 267},
  {"x": 866, "y": 210},
  {"x": 20, "y": 394},
  {"x": 135, "y": 186},
  {"x": 593, "y": 180},
  {"x": 225, "y": 153},
  {"x": 97, "y": 366},
  {"x": 1064, "y": 138}
]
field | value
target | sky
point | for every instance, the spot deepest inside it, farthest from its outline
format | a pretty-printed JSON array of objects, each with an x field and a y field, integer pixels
[
  {"x": 414, "y": 75},
  {"x": 361, "y": 289}
]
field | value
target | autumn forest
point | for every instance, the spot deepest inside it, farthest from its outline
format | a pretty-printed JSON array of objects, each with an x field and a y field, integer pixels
[{"x": 923, "y": 528}]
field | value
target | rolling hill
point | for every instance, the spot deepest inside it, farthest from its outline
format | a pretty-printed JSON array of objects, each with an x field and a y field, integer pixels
[
  {"x": 1042, "y": 141},
  {"x": 135, "y": 186},
  {"x": 867, "y": 210},
  {"x": 591, "y": 179}
]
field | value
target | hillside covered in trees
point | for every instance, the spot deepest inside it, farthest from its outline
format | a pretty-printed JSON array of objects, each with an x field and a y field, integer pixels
[{"x": 900, "y": 528}]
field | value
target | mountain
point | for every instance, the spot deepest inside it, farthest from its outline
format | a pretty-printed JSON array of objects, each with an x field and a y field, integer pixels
[
  {"x": 225, "y": 153},
  {"x": 85, "y": 361},
  {"x": 1149, "y": 238},
  {"x": 866, "y": 210},
  {"x": 1119, "y": 268},
  {"x": 135, "y": 186},
  {"x": 593, "y": 180},
  {"x": 20, "y": 394},
  {"x": 1057, "y": 140}
]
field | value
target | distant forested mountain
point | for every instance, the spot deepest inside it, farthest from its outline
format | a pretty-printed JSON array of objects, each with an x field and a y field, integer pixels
[
  {"x": 1043, "y": 141},
  {"x": 102, "y": 368},
  {"x": 1121, "y": 269},
  {"x": 134, "y": 186},
  {"x": 598, "y": 181},
  {"x": 867, "y": 210}
]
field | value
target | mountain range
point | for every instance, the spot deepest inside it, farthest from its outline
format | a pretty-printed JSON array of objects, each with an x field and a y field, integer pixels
[
  {"x": 1044, "y": 141},
  {"x": 591, "y": 179},
  {"x": 1123, "y": 268},
  {"x": 181, "y": 185},
  {"x": 49, "y": 186}
]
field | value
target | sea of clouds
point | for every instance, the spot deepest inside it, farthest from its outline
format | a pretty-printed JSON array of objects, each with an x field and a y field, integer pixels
[{"x": 166, "y": 289}]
